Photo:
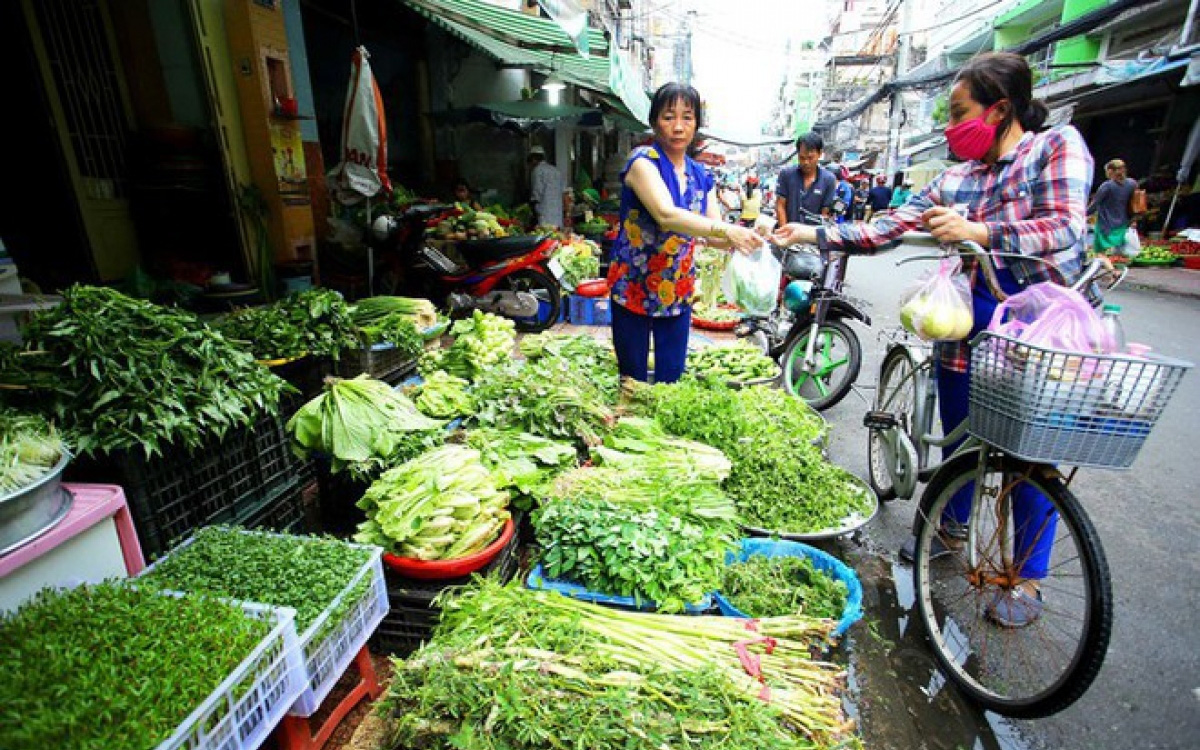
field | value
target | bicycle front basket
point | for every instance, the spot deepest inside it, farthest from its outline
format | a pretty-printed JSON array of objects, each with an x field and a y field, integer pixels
[{"x": 1053, "y": 406}]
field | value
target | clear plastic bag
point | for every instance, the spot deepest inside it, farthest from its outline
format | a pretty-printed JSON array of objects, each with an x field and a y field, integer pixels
[
  {"x": 751, "y": 281},
  {"x": 1053, "y": 316},
  {"x": 1133, "y": 243},
  {"x": 938, "y": 306}
]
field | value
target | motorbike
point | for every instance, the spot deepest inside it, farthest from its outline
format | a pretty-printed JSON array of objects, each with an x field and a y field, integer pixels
[
  {"x": 807, "y": 333},
  {"x": 510, "y": 276}
]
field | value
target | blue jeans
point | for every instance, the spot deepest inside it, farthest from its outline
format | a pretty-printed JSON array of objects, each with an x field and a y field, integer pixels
[
  {"x": 631, "y": 334},
  {"x": 1034, "y": 517}
]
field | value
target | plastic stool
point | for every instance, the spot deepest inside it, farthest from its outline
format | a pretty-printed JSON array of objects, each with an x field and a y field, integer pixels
[{"x": 294, "y": 732}]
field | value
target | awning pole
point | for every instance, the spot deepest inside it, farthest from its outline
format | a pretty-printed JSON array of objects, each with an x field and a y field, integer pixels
[{"x": 1171, "y": 210}]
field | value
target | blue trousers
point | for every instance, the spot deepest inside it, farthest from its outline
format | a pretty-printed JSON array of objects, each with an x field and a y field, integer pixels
[
  {"x": 631, "y": 334},
  {"x": 1033, "y": 517}
]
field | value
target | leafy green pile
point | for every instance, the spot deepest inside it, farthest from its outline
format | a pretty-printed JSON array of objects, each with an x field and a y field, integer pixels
[
  {"x": 649, "y": 555},
  {"x": 547, "y": 396},
  {"x": 29, "y": 449},
  {"x": 780, "y": 481},
  {"x": 580, "y": 260},
  {"x": 527, "y": 670},
  {"x": 444, "y": 396},
  {"x": 442, "y": 505},
  {"x": 523, "y": 462},
  {"x": 362, "y": 424},
  {"x": 124, "y": 374},
  {"x": 481, "y": 342},
  {"x": 109, "y": 666},
  {"x": 586, "y": 354},
  {"x": 314, "y": 321},
  {"x": 394, "y": 320},
  {"x": 762, "y": 586},
  {"x": 304, "y": 573}
]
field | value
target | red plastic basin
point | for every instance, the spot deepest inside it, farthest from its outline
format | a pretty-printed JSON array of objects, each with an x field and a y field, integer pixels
[{"x": 430, "y": 570}]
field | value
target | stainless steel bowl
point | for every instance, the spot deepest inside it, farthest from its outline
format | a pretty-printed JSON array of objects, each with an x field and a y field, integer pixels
[{"x": 31, "y": 511}]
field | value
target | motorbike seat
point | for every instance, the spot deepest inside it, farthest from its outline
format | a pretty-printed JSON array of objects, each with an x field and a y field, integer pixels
[{"x": 478, "y": 252}]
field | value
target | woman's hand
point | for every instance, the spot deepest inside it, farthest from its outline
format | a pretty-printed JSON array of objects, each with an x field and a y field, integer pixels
[
  {"x": 743, "y": 239},
  {"x": 947, "y": 225},
  {"x": 794, "y": 234}
]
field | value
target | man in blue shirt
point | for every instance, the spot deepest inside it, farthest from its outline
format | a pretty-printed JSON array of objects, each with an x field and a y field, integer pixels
[
  {"x": 879, "y": 197},
  {"x": 805, "y": 190}
]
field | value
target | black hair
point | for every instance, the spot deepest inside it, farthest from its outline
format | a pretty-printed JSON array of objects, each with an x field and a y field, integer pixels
[
  {"x": 670, "y": 93},
  {"x": 811, "y": 141},
  {"x": 898, "y": 180},
  {"x": 993, "y": 76}
]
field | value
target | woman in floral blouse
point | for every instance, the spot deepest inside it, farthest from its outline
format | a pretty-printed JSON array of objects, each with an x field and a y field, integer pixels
[{"x": 667, "y": 201}]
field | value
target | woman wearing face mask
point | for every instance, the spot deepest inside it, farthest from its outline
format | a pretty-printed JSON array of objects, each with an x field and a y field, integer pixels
[
  {"x": 667, "y": 201},
  {"x": 1020, "y": 189}
]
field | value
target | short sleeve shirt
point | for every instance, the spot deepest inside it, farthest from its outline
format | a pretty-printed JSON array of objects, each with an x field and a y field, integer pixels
[
  {"x": 819, "y": 195},
  {"x": 653, "y": 271}
]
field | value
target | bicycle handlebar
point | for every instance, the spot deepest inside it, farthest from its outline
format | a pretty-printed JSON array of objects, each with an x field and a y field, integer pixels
[{"x": 986, "y": 258}]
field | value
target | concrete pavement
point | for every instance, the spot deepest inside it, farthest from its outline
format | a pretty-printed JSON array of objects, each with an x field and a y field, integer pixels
[{"x": 1181, "y": 281}]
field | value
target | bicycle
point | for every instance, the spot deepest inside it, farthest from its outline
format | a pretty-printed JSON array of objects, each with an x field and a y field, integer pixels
[{"x": 1031, "y": 408}]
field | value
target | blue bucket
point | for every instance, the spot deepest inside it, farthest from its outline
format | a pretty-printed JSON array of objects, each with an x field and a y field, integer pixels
[{"x": 822, "y": 561}]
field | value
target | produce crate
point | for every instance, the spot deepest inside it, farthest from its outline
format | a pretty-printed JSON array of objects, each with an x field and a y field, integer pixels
[
  {"x": 590, "y": 311},
  {"x": 306, "y": 373},
  {"x": 381, "y": 361},
  {"x": 338, "y": 495},
  {"x": 282, "y": 510},
  {"x": 413, "y": 615},
  {"x": 172, "y": 494},
  {"x": 245, "y": 708}
]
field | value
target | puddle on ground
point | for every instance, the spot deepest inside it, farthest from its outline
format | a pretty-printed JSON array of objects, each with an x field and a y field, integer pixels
[{"x": 896, "y": 694}]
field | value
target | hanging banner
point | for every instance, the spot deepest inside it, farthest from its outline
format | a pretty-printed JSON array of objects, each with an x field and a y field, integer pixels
[
  {"x": 363, "y": 170},
  {"x": 624, "y": 83},
  {"x": 570, "y": 18}
]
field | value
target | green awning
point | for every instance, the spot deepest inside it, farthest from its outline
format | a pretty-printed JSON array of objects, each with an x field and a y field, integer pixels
[
  {"x": 519, "y": 39},
  {"x": 525, "y": 115}
]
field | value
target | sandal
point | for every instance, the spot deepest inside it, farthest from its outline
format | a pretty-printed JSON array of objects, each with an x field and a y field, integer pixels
[{"x": 1015, "y": 608}]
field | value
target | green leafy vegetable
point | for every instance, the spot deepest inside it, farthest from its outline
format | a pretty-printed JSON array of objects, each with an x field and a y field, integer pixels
[
  {"x": 29, "y": 449},
  {"x": 444, "y": 396},
  {"x": 547, "y": 397},
  {"x": 763, "y": 586},
  {"x": 481, "y": 342}
]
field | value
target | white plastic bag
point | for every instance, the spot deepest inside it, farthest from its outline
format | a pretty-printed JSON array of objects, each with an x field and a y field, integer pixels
[
  {"x": 937, "y": 307},
  {"x": 1133, "y": 243},
  {"x": 752, "y": 281}
]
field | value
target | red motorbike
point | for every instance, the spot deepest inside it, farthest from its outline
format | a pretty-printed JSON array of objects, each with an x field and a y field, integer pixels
[{"x": 509, "y": 276}]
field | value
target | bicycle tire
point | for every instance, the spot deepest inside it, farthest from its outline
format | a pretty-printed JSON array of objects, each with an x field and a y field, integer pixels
[
  {"x": 1063, "y": 649},
  {"x": 541, "y": 286},
  {"x": 892, "y": 397},
  {"x": 829, "y": 391}
]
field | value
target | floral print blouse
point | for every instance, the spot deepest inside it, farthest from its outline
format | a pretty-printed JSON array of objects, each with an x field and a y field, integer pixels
[{"x": 653, "y": 271}]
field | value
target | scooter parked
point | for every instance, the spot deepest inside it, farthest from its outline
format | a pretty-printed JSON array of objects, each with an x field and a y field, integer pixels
[{"x": 509, "y": 276}]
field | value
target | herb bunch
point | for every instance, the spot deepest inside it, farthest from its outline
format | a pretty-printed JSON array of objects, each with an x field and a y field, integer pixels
[
  {"x": 131, "y": 375},
  {"x": 548, "y": 397},
  {"x": 513, "y": 668},
  {"x": 762, "y": 586}
]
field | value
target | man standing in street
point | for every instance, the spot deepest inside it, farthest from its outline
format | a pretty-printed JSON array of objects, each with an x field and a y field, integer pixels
[
  {"x": 878, "y": 197},
  {"x": 1111, "y": 207},
  {"x": 806, "y": 190},
  {"x": 547, "y": 189}
]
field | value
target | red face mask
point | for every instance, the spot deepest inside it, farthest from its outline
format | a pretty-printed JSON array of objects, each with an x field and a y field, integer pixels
[{"x": 972, "y": 138}]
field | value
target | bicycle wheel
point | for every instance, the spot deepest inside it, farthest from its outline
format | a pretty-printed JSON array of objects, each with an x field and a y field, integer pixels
[
  {"x": 838, "y": 357},
  {"x": 1046, "y": 665},
  {"x": 547, "y": 291},
  {"x": 889, "y": 461}
]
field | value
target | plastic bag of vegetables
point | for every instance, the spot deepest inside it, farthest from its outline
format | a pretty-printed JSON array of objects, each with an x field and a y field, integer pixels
[
  {"x": 937, "y": 307},
  {"x": 752, "y": 280}
]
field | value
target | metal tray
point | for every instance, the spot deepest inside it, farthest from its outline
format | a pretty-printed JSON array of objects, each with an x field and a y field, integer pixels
[
  {"x": 848, "y": 525},
  {"x": 32, "y": 511}
]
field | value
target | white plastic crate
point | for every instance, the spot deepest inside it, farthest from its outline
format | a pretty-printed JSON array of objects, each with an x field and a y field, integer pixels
[
  {"x": 326, "y": 659},
  {"x": 246, "y": 707}
]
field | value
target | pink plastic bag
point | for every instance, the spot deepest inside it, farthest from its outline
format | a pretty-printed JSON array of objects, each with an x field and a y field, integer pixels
[
  {"x": 1053, "y": 316},
  {"x": 938, "y": 305}
]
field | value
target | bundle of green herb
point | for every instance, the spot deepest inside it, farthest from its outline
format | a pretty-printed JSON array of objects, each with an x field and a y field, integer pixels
[
  {"x": 443, "y": 396},
  {"x": 514, "y": 668},
  {"x": 481, "y": 342},
  {"x": 762, "y": 586},
  {"x": 526, "y": 463},
  {"x": 585, "y": 353},
  {"x": 131, "y": 375},
  {"x": 546, "y": 397}
]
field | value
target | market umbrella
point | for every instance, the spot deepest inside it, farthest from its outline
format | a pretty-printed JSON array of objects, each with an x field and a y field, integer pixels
[
  {"x": 362, "y": 172},
  {"x": 1190, "y": 152}
]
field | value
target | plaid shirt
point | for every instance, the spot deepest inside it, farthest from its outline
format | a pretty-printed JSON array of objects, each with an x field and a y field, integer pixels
[{"x": 1033, "y": 199}]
